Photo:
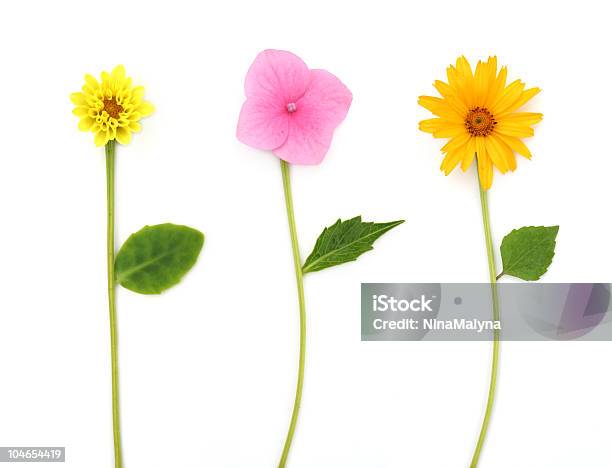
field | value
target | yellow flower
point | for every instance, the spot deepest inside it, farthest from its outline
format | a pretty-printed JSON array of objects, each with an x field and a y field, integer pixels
[
  {"x": 477, "y": 111},
  {"x": 110, "y": 108}
]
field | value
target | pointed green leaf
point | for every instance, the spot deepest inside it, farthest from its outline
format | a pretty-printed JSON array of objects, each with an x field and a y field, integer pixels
[
  {"x": 157, "y": 257},
  {"x": 528, "y": 252},
  {"x": 344, "y": 241}
]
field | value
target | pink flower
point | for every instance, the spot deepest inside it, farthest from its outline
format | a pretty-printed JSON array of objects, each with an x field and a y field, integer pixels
[{"x": 290, "y": 109}]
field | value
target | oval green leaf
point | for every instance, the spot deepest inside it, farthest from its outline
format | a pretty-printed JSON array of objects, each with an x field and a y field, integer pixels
[
  {"x": 528, "y": 252},
  {"x": 157, "y": 257}
]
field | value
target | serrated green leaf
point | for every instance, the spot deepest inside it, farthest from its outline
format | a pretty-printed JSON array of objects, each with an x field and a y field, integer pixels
[
  {"x": 157, "y": 257},
  {"x": 528, "y": 252},
  {"x": 344, "y": 241}
]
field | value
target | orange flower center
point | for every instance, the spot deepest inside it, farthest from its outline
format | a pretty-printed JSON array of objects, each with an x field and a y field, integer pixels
[
  {"x": 112, "y": 108},
  {"x": 480, "y": 122}
]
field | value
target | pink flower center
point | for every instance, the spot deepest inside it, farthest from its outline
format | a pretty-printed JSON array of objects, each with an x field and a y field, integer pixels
[{"x": 291, "y": 107}]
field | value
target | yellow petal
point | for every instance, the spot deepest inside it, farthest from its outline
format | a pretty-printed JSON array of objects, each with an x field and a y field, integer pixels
[
  {"x": 138, "y": 93},
  {"x": 145, "y": 109},
  {"x": 522, "y": 118},
  {"x": 454, "y": 99},
  {"x": 78, "y": 99},
  {"x": 490, "y": 73},
  {"x": 506, "y": 151},
  {"x": 470, "y": 152},
  {"x": 91, "y": 82},
  {"x": 521, "y": 100},
  {"x": 86, "y": 123},
  {"x": 485, "y": 173},
  {"x": 450, "y": 131},
  {"x": 135, "y": 126},
  {"x": 481, "y": 152},
  {"x": 461, "y": 79},
  {"x": 118, "y": 81},
  {"x": 100, "y": 138},
  {"x": 443, "y": 88},
  {"x": 123, "y": 135},
  {"x": 463, "y": 66},
  {"x": 480, "y": 83},
  {"x": 456, "y": 142},
  {"x": 118, "y": 72},
  {"x": 431, "y": 125},
  {"x": 515, "y": 130},
  {"x": 508, "y": 97},
  {"x": 441, "y": 128},
  {"x": 497, "y": 89},
  {"x": 80, "y": 111},
  {"x": 496, "y": 153},
  {"x": 492, "y": 63},
  {"x": 440, "y": 107},
  {"x": 451, "y": 160},
  {"x": 485, "y": 165},
  {"x": 516, "y": 145}
]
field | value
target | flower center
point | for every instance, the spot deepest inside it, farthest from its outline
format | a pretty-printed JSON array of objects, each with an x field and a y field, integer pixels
[
  {"x": 112, "y": 108},
  {"x": 291, "y": 107},
  {"x": 480, "y": 122}
]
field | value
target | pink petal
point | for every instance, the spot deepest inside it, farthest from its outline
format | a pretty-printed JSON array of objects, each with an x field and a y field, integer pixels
[
  {"x": 275, "y": 79},
  {"x": 278, "y": 75},
  {"x": 328, "y": 95},
  {"x": 307, "y": 143},
  {"x": 263, "y": 124},
  {"x": 318, "y": 113}
]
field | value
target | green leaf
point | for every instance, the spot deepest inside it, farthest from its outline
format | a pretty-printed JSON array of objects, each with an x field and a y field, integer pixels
[
  {"x": 157, "y": 257},
  {"x": 344, "y": 241},
  {"x": 528, "y": 252}
]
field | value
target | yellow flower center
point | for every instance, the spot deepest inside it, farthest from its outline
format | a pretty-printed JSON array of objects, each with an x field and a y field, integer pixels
[
  {"x": 112, "y": 108},
  {"x": 480, "y": 122}
]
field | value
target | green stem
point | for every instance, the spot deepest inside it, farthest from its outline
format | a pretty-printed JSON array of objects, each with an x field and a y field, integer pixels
[
  {"x": 297, "y": 263},
  {"x": 110, "y": 259},
  {"x": 496, "y": 316}
]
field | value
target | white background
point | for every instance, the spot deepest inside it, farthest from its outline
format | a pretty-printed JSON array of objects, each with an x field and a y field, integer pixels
[{"x": 208, "y": 368}]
